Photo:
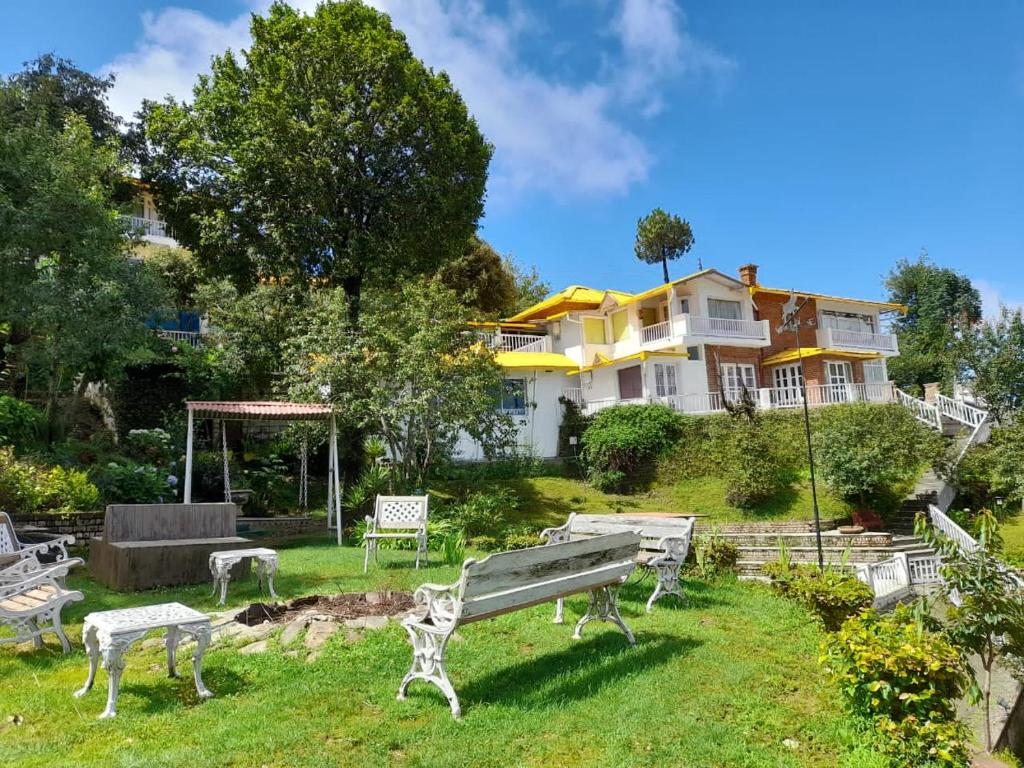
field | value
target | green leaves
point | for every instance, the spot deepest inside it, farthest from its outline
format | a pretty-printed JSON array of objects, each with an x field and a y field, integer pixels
[
  {"x": 621, "y": 443},
  {"x": 662, "y": 236}
]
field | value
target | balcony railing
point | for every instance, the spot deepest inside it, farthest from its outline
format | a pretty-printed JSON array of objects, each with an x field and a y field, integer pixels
[
  {"x": 697, "y": 325},
  {"x": 516, "y": 342},
  {"x": 149, "y": 227},
  {"x": 653, "y": 333},
  {"x": 192, "y": 338},
  {"x": 878, "y": 342}
]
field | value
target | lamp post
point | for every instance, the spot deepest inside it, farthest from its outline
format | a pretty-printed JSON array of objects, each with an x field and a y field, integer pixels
[{"x": 791, "y": 322}]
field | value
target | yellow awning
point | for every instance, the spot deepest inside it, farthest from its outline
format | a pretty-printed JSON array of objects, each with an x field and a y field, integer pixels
[
  {"x": 534, "y": 360},
  {"x": 603, "y": 361},
  {"x": 789, "y": 355}
]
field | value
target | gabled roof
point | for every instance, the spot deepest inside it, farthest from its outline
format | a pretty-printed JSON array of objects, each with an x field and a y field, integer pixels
[
  {"x": 568, "y": 299},
  {"x": 713, "y": 273}
]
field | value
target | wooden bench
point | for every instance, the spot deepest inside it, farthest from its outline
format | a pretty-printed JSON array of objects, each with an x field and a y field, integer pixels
[
  {"x": 509, "y": 581},
  {"x": 31, "y": 602},
  {"x": 664, "y": 545},
  {"x": 154, "y": 545}
]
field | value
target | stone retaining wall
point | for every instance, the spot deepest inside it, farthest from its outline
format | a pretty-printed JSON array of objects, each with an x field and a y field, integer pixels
[{"x": 794, "y": 526}]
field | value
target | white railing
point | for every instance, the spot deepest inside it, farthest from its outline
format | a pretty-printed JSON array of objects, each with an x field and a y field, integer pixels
[
  {"x": 696, "y": 402},
  {"x": 925, "y": 412},
  {"x": 515, "y": 342},
  {"x": 836, "y": 337},
  {"x": 924, "y": 569},
  {"x": 900, "y": 573},
  {"x": 657, "y": 332},
  {"x": 574, "y": 395},
  {"x": 697, "y": 325},
  {"x": 595, "y": 406},
  {"x": 960, "y": 411},
  {"x": 949, "y": 528},
  {"x": 831, "y": 394},
  {"x": 150, "y": 227},
  {"x": 192, "y": 338}
]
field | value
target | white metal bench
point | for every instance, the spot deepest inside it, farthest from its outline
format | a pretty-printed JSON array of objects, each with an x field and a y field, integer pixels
[
  {"x": 664, "y": 545},
  {"x": 31, "y": 605},
  {"x": 10, "y": 545},
  {"x": 397, "y": 517},
  {"x": 508, "y": 581}
]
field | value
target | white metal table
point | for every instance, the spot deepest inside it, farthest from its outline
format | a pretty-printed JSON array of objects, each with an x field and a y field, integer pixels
[
  {"x": 108, "y": 634},
  {"x": 221, "y": 564}
]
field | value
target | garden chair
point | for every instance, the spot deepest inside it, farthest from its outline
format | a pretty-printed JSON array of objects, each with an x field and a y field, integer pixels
[
  {"x": 32, "y": 606},
  {"x": 397, "y": 517},
  {"x": 55, "y": 545},
  {"x": 29, "y": 566}
]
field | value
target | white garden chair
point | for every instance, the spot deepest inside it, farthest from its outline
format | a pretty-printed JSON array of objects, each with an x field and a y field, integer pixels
[
  {"x": 10, "y": 545},
  {"x": 29, "y": 566},
  {"x": 397, "y": 517},
  {"x": 32, "y": 606}
]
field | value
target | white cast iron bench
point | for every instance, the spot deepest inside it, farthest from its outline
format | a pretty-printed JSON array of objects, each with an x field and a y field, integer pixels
[
  {"x": 221, "y": 564},
  {"x": 55, "y": 545},
  {"x": 108, "y": 634},
  {"x": 664, "y": 545},
  {"x": 397, "y": 517},
  {"x": 509, "y": 581},
  {"x": 31, "y": 599}
]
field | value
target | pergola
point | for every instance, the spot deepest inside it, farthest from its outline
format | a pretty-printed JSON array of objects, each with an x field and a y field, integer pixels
[{"x": 264, "y": 410}]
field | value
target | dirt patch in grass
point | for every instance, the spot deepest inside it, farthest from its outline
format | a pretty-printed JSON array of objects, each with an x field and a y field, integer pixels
[{"x": 350, "y": 605}]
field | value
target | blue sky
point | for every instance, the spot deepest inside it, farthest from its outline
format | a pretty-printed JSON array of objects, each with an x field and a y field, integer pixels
[{"x": 822, "y": 141}]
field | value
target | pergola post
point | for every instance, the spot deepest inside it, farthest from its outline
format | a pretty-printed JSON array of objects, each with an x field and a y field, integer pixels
[
  {"x": 334, "y": 485},
  {"x": 188, "y": 462}
]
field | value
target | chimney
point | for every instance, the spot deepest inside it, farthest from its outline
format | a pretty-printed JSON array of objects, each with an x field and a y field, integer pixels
[{"x": 748, "y": 274}]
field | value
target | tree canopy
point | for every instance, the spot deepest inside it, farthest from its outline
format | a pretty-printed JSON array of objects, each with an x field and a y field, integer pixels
[
  {"x": 662, "y": 236},
  {"x": 990, "y": 357},
  {"x": 325, "y": 151},
  {"x": 938, "y": 301}
]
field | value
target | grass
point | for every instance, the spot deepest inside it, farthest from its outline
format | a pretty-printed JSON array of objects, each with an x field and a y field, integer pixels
[
  {"x": 547, "y": 500},
  {"x": 722, "y": 681}
]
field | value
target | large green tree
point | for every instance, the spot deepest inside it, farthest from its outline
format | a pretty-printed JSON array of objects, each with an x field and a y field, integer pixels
[
  {"x": 662, "y": 236},
  {"x": 938, "y": 300},
  {"x": 990, "y": 358},
  {"x": 326, "y": 151},
  {"x": 482, "y": 280}
]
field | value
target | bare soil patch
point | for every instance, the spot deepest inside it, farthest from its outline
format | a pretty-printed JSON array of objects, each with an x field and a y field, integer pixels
[{"x": 350, "y": 605}]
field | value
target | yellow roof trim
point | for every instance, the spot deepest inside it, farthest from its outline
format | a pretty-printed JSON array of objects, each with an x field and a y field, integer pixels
[
  {"x": 789, "y": 355},
  {"x": 574, "y": 294},
  {"x": 503, "y": 324},
  {"x": 534, "y": 360},
  {"x": 883, "y": 305},
  {"x": 635, "y": 356},
  {"x": 679, "y": 281}
]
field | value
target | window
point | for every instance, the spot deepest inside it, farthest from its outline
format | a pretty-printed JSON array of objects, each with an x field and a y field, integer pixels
[
  {"x": 787, "y": 381},
  {"x": 665, "y": 379},
  {"x": 693, "y": 353},
  {"x": 593, "y": 330},
  {"x": 874, "y": 372},
  {"x": 556, "y": 330},
  {"x": 513, "y": 396},
  {"x": 631, "y": 385},
  {"x": 847, "y": 321},
  {"x": 620, "y": 325},
  {"x": 684, "y": 306},
  {"x": 840, "y": 379},
  {"x": 736, "y": 376},
  {"x": 724, "y": 310}
]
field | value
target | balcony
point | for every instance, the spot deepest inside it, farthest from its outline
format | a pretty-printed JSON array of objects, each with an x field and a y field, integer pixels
[
  {"x": 516, "y": 342},
  {"x": 719, "y": 327},
  {"x": 190, "y": 338},
  {"x": 835, "y": 338},
  {"x": 156, "y": 230}
]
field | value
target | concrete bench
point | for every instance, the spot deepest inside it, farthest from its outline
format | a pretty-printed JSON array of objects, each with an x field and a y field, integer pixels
[
  {"x": 509, "y": 581},
  {"x": 153, "y": 545},
  {"x": 664, "y": 545}
]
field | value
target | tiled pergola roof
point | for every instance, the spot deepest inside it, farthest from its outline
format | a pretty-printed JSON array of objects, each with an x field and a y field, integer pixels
[{"x": 259, "y": 410}]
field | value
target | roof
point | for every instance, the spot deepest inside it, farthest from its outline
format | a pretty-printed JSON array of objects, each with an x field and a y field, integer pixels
[
  {"x": 573, "y": 297},
  {"x": 534, "y": 360},
  {"x": 882, "y": 305},
  {"x": 259, "y": 410},
  {"x": 503, "y": 324},
  {"x": 603, "y": 361},
  {"x": 788, "y": 355},
  {"x": 687, "y": 278}
]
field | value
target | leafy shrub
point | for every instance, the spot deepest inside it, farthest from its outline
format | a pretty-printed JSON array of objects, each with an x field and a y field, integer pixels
[
  {"x": 452, "y": 546},
  {"x": 26, "y": 488},
  {"x": 832, "y": 595},
  {"x": 521, "y": 540},
  {"x": 484, "y": 513},
  {"x": 152, "y": 446},
  {"x": 757, "y": 467},
  {"x": 904, "y": 679},
  {"x": 714, "y": 555},
  {"x": 18, "y": 422},
  {"x": 128, "y": 482},
  {"x": 864, "y": 450},
  {"x": 622, "y": 443}
]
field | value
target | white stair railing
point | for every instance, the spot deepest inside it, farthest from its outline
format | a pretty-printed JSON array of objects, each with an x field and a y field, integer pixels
[
  {"x": 960, "y": 411},
  {"x": 922, "y": 410},
  {"x": 949, "y": 528}
]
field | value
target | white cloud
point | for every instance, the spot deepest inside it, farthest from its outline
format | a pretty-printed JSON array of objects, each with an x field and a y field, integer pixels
[
  {"x": 993, "y": 298},
  {"x": 565, "y": 139}
]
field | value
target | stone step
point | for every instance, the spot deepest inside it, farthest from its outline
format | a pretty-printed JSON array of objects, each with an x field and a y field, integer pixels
[
  {"x": 828, "y": 539},
  {"x": 810, "y": 554}
]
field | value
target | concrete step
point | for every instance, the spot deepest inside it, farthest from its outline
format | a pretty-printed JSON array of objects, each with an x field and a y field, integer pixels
[
  {"x": 856, "y": 555},
  {"x": 828, "y": 539}
]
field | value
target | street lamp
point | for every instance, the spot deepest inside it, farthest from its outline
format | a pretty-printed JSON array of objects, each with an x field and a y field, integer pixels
[{"x": 791, "y": 322}]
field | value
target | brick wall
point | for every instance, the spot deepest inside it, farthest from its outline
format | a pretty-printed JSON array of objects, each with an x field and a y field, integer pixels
[
  {"x": 83, "y": 525},
  {"x": 769, "y": 307},
  {"x": 720, "y": 355}
]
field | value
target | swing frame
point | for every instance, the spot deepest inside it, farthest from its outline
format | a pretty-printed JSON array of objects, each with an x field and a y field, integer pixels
[{"x": 266, "y": 410}]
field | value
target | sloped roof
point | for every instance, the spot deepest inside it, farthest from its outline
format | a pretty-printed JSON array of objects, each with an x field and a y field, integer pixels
[
  {"x": 573, "y": 297},
  {"x": 258, "y": 410},
  {"x": 534, "y": 360},
  {"x": 788, "y": 355}
]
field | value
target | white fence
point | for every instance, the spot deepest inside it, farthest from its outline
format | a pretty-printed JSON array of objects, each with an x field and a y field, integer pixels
[
  {"x": 192, "y": 338},
  {"x": 697, "y": 325},
  {"x": 657, "y": 332},
  {"x": 516, "y": 342},
  {"x": 892, "y": 578},
  {"x": 883, "y": 342},
  {"x": 925, "y": 412},
  {"x": 150, "y": 227}
]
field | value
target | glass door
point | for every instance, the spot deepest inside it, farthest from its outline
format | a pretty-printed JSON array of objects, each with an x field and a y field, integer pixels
[
  {"x": 840, "y": 381},
  {"x": 736, "y": 376},
  {"x": 787, "y": 380}
]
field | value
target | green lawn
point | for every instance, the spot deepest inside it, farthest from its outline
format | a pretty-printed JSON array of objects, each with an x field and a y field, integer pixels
[
  {"x": 719, "y": 682},
  {"x": 548, "y": 500}
]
